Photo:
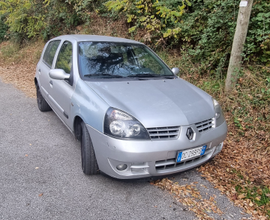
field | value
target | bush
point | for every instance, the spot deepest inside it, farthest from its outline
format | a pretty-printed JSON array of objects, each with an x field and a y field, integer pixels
[
  {"x": 208, "y": 31},
  {"x": 160, "y": 19},
  {"x": 45, "y": 18},
  {"x": 23, "y": 18},
  {"x": 61, "y": 18},
  {"x": 257, "y": 47},
  {"x": 3, "y": 29}
]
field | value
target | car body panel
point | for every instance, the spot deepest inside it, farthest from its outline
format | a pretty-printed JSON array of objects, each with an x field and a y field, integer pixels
[
  {"x": 110, "y": 150},
  {"x": 89, "y": 106},
  {"x": 171, "y": 105}
]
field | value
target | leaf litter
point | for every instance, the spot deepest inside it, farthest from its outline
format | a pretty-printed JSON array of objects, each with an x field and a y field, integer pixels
[{"x": 190, "y": 197}]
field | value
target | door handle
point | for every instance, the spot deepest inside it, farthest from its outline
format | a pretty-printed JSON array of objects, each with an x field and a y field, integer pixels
[
  {"x": 51, "y": 83},
  {"x": 39, "y": 71}
]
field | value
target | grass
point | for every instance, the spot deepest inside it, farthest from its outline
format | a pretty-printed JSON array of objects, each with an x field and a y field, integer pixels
[
  {"x": 9, "y": 50},
  {"x": 11, "y": 53},
  {"x": 257, "y": 195}
]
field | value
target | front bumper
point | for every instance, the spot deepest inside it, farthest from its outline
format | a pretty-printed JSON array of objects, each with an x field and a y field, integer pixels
[{"x": 146, "y": 158}]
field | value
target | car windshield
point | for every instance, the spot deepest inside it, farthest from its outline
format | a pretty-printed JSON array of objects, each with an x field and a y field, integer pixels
[{"x": 119, "y": 60}]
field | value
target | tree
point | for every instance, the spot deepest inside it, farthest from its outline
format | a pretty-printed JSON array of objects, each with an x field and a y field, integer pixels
[{"x": 238, "y": 44}]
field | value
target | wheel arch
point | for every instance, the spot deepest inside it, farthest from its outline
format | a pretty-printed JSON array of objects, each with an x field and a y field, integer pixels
[
  {"x": 36, "y": 82},
  {"x": 77, "y": 127}
]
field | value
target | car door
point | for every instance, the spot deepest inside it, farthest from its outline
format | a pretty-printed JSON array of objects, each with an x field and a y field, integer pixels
[
  {"x": 44, "y": 67},
  {"x": 62, "y": 90}
]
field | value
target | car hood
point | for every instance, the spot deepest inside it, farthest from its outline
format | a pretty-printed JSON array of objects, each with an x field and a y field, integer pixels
[{"x": 159, "y": 102}]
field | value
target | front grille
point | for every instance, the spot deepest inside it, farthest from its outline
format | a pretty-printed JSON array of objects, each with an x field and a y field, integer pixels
[
  {"x": 205, "y": 125},
  {"x": 169, "y": 164},
  {"x": 163, "y": 132},
  {"x": 164, "y": 165}
]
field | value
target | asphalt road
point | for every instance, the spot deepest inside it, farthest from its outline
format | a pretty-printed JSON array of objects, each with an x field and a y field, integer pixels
[{"x": 41, "y": 177}]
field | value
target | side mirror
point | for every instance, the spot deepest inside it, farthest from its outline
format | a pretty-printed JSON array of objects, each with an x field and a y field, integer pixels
[
  {"x": 58, "y": 74},
  {"x": 175, "y": 70}
]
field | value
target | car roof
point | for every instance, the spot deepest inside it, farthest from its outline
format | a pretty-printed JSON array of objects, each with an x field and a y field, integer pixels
[{"x": 83, "y": 37}]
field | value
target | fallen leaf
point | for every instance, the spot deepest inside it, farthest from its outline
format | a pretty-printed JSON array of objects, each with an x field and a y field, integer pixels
[{"x": 241, "y": 196}]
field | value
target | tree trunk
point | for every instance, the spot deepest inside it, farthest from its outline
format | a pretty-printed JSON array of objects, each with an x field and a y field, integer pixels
[{"x": 238, "y": 44}]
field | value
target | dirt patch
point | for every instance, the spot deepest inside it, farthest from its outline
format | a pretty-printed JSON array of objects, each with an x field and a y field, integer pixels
[
  {"x": 18, "y": 67},
  {"x": 104, "y": 26},
  {"x": 21, "y": 77}
]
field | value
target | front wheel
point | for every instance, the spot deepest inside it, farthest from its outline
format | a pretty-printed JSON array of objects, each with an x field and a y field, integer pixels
[
  {"x": 89, "y": 161},
  {"x": 42, "y": 104}
]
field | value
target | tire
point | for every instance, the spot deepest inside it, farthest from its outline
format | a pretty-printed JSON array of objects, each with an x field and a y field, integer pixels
[
  {"x": 89, "y": 161},
  {"x": 41, "y": 102}
]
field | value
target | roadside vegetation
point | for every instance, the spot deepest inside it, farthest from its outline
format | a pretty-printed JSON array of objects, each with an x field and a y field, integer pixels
[{"x": 195, "y": 36}]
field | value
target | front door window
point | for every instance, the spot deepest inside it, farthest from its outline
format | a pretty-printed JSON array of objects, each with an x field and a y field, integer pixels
[{"x": 64, "y": 60}]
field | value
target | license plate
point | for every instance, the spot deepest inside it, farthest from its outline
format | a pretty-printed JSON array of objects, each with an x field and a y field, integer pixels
[{"x": 187, "y": 154}]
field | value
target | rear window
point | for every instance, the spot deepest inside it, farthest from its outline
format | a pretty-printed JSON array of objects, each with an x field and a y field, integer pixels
[{"x": 50, "y": 52}]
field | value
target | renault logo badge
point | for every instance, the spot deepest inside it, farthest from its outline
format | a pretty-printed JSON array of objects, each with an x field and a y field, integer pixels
[{"x": 190, "y": 134}]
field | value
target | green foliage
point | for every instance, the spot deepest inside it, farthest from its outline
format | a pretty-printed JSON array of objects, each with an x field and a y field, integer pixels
[
  {"x": 258, "y": 40},
  {"x": 208, "y": 29},
  {"x": 159, "y": 20},
  {"x": 258, "y": 195},
  {"x": 82, "y": 8},
  {"x": 60, "y": 18},
  {"x": 3, "y": 29},
  {"x": 44, "y": 18},
  {"x": 21, "y": 17},
  {"x": 207, "y": 33}
]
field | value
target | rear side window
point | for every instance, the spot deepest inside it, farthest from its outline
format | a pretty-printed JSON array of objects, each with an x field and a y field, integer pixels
[{"x": 50, "y": 52}]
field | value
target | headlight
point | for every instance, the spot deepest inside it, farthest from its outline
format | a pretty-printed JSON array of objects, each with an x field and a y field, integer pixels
[
  {"x": 218, "y": 113},
  {"x": 121, "y": 125}
]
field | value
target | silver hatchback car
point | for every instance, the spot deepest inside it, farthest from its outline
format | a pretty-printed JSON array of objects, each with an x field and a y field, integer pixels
[{"x": 134, "y": 117}]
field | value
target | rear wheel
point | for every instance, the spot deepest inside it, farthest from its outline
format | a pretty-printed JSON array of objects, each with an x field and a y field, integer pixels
[
  {"x": 42, "y": 104},
  {"x": 89, "y": 161}
]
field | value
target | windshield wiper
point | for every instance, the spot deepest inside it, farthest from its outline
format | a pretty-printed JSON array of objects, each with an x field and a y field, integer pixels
[
  {"x": 103, "y": 75},
  {"x": 144, "y": 75},
  {"x": 169, "y": 77},
  {"x": 141, "y": 75}
]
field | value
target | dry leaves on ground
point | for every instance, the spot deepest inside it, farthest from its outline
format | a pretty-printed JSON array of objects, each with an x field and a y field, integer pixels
[
  {"x": 190, "y": 197},
  {"x": 239, "y": 165},
  {"x": 20, "y": 69}
]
